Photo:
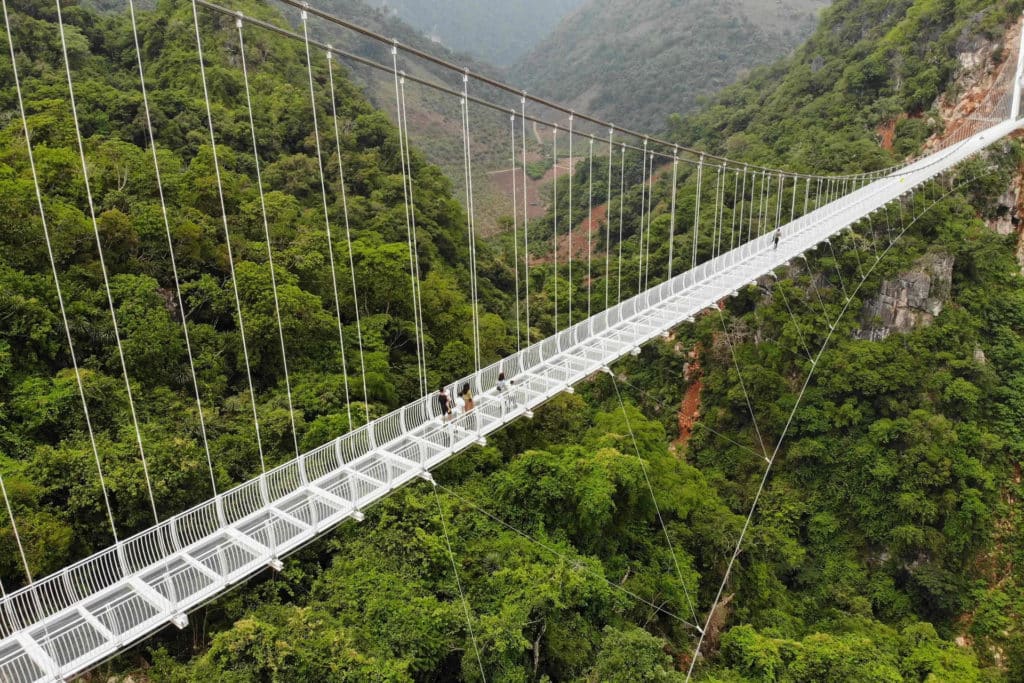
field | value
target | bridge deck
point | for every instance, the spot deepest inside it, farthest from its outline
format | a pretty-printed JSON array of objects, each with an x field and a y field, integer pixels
[{"x": 76, "y": 618}]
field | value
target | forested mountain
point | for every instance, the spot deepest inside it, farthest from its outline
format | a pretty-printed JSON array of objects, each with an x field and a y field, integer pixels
[
  {"x": 496, "y": 31},
  {"x": 634, "y": 63},
  {"x": 887, "y": 546}
]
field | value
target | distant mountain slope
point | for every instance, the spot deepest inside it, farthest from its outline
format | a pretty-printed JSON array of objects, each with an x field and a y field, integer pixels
[
  {"x": 636, "y": 63},
  {"x": 497, "y": 31}
]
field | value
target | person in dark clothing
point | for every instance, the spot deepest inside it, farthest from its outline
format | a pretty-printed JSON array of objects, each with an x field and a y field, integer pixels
[
  {"x": 445, "y": 403},
  {"x": 778, "y": 234}
]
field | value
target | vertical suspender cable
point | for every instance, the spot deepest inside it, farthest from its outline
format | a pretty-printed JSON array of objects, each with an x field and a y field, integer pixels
[
  {"x": 515, "y": 230},
  {"x": 743, "y": 205},
  {"x": 650, "y": 217},
  {"x": 607, "y": 225},
  {"x": 60, "y": 293},
  {"x": 554, "y": 194},
  {"x": 590, "y": 227},
  {"x": 672, "y": 210},
  {"x": 526, "y": 218},
  {"x": 323, "y": 186},
  {"x": 421, "y": 343},
  {"x": 643, "y": 203},
  {"x": 622, "y": 204},
  {"x": 24, "y": 563},
  {"x": 778, "y": 201},
  {"x": 170, "y": 246},
  {"x": 348, "y": 242},
  {"x": 572, "y": 226},
  {"x": 470, "y": 222},
  {"x": 696, "y": 211},
  {"x": 735, "y": 197},
  {"x": 270, "y": 250},
  {"x": 323, "y": 195},
  {"x": 792, "y": 208},
  {"x": 227, "y": 239},
  {"x": 406, "y": 173},
  {"x": 716, "y": 231},
  {"x": 724, "y": 169},
  {"x": 103, "y": 265},
  {"x": 762, "y": 207}
]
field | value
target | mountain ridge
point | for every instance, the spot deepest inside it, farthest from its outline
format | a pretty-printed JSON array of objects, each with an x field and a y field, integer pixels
[{"x": 638, "y": 63}]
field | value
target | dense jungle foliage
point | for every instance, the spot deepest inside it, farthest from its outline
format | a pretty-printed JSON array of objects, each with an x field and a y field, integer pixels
[
  {"x": 634, "y": 64},
  {"x": 888, "y": 529}
]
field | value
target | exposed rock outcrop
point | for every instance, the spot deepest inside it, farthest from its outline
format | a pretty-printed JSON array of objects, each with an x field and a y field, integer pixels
[
  {"x": 910, "y": 300},
  {"x": 1007, "y": 216}
]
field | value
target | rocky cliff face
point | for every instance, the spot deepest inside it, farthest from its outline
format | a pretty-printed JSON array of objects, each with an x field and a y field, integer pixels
[{"x": 910, "y": 300}]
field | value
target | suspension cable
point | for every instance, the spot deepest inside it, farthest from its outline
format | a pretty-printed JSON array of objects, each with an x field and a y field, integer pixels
[
  {"x": 348, "y": 243},
  {"x": 458, "y": 582},
  {"x": 735, "y": 198},
  {"x": 474, "y": 300},
  {"x": 574, "y": 565},
  {"x": 672, "y": 219},
  {"x": 762, "y": 210},
  {"x": 650, "y": 217},
  {"x": 572, "y": 226},
  {"x": 21, "y": 553},
  {"x": 640, "y": 244},
  {"x": 607, "y": 225},
  {"x": 654, "y": 499},
  {"x": 302, "y": 5},
  {"x": 715, "y": 240},
  {"x": 778, "y": 203},
  {"x": 743, "y": 385},
  {"x": 696, "y": 212},
  {"x": 270, "y": 251},
  {"x": 745, "y": 207},
  {"x": 515, "y": 231},
  {"x": 170, "y": 246},
  {"x": 67, "y": 331},
  {"x": 103, "y": 265},
  {"x": 554, "y": 193},
  {"x": 417, "y": 301},
  {"x": 721, "y": 207},
  {"x": 622, "y": 204},
  {"x": 56, "y": 279},
  {"x": 778, "y": 446},
  {"x": 590, "y": 228},
  {"x": 526, "y": 217},
  {"x": 227, "y": 238},
  {"x": 792, "y": 208},
  {"x": 299, "y": 4}
]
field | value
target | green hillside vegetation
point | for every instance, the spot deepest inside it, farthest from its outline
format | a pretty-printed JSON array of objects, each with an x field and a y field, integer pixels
[
  {"x": 889, "y": 528},
  {"x": 634, "y": 64}
]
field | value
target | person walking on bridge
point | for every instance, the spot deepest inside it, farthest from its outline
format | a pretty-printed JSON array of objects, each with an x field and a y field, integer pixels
[
  {"x": 444, "y": 402},
  {"x": 775, "y": 241}
]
